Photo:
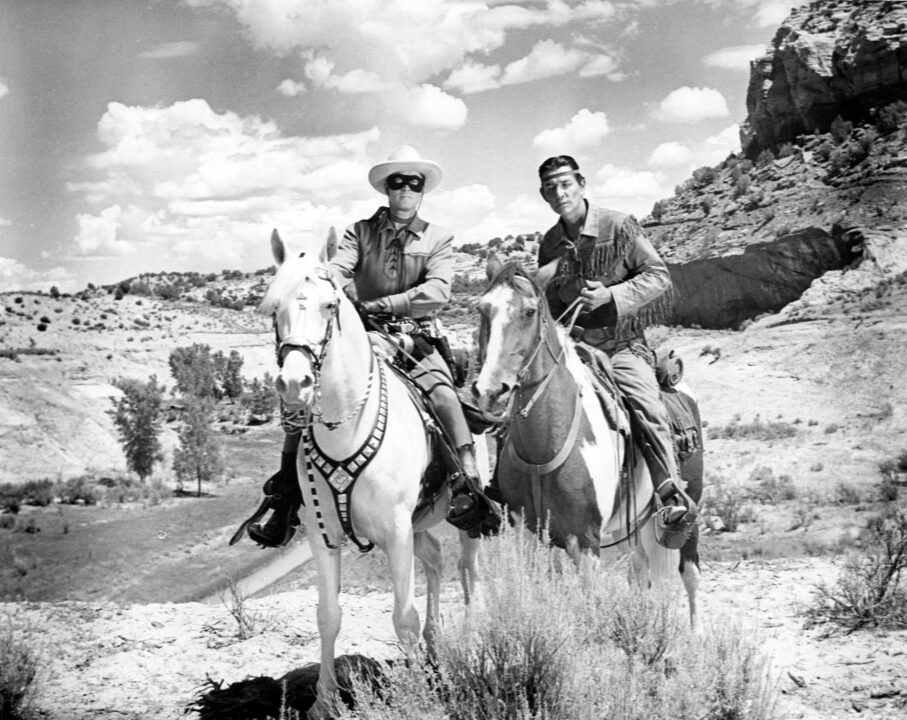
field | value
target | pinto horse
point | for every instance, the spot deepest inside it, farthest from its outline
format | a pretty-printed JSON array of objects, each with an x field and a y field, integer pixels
[
  {"x": 560, "y": 464},
  {"x": 363, "y": 452}
]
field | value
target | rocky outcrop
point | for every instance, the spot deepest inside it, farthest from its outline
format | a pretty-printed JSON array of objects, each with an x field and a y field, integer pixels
[
  {"x": 722, "y": 292},
  {"x": 829, "y": 58}
]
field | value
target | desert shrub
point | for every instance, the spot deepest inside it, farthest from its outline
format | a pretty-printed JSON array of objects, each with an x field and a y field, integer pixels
[
  {"x": 78, "y": 490},
  {"x": 889, "y": 490},
  {"x": 140, "y": 288},
  {"x": 705, "y": 176},
  {"x": 724, "y": 501},
  {"x": 832, "y": 428},
  {"x": 138, "y": 416},
  {"x": 552, "y": 642},
  {"x": 892, "y": 117},
  {"x": 39, "y": 493},
  {"x": 707, "y": 203},
  {"x": 742, "y": 186},
  {"x": 18, "y": 671},
  {"x": 766, "y": 157},
  {"x": 786, "y": 150},
  {"x": 758, "y": 429},
  {"x": 840, "y": 130},
  {"x": 658, "y": 209},
  {"x": 771, "y": 488},
  {"x": 872, "y": 588},
  {"x": 168, "y": 291},
  {"x": 847, "y": 494}
]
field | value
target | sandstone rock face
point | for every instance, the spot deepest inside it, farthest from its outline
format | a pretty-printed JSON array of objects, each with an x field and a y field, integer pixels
[
  {"x": 829, "y": 58},
  {"x": 722, "y": 292}
]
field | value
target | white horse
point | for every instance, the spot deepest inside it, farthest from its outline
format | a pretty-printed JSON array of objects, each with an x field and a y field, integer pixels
[
  {"x": 363, "y": 453},
  {"x": 560, "y": 465}
]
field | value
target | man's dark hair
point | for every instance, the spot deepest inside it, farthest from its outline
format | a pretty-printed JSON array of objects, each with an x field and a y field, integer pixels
[{"x": 558, "y": 161}]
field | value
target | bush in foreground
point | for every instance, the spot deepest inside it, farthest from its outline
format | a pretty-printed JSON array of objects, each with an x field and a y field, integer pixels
[
  {"x": 550, "y": 642},
  {"x": 18, "y": 667},
  {"x": 871, "y": 591}
]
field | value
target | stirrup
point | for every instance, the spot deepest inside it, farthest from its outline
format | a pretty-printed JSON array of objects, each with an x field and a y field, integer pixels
[
  {"x": 253, "y": 518},
  {"x": 258, "y": 533}
]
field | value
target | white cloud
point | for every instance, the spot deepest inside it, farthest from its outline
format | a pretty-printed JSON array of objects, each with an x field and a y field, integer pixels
[
  {"x": 692, "y": 104},
  {"x": 774, "y": 12},
  {"x": 98, "y": 234},
  {"x": 403, "y": 41},
  {"x": 165, "y": 51},
  {"x": 585, "y": 130},
  {"x": 601, "y": 65},
  {"x": 291, "y": 88},
  {"x": 358, "y": 81},
  {"x": 430, "y": 107},
  {"x": 471, "y": 213},
  {"x": 546, "y": 59},
  {"x": 184, "y": 183},
  {"x": 14, "y": 275},
  {"x": 319, "y": 69},
  {"x": 3, "y": 88},
  {"x": 737, "y": 57},
  {"x": 627, "y": 190},
  {"x": 717, "y": 147},
  {"x": 670, "y": 153},
  {"x": 474, "y": 77}
]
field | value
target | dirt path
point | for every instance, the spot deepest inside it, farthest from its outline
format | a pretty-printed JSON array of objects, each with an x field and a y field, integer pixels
[{"x": 104, "y": 661}]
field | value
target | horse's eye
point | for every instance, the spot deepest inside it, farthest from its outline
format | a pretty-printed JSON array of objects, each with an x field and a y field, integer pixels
[{"x": 531, "y": 311}]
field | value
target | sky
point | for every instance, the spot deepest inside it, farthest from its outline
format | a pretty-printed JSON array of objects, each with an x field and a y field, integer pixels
[{"x": 173, "y": 135}]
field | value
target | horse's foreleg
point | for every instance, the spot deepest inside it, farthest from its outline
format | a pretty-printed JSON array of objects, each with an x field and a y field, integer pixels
[
  {"x": 468, "y": 565},
  {"x": 690, "y": 573},
  {"x": 327, "y": 562},
  {"x": 400, "y": 558},
  {"x": 428, "y": 550}
]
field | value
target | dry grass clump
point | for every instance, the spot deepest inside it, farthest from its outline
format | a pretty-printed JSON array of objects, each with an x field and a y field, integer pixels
[
  {"x": 871, "y": 590},
  {"x": 550, "y": 642},
  {"x": 18, "y": 668}
]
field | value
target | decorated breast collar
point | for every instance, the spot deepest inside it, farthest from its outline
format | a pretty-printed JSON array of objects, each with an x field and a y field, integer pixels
[{"x": 341, "y": 475}]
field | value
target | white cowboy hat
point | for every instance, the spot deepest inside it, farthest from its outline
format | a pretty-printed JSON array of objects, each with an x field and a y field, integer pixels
[{"x": 405, "y": 159}]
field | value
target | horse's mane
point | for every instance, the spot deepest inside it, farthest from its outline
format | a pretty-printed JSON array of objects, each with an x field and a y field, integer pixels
[
  {"x": 508, "y": 274},
  {"x": 289, "y": 277}
]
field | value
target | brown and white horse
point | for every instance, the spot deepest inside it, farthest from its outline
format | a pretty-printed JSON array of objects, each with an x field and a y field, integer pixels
[
  {"x": 560, "y": 464},
  {"x": 363, "y": 453}
]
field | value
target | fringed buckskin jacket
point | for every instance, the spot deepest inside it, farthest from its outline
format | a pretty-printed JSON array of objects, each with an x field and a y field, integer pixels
[{"x": 612, "y": 249}]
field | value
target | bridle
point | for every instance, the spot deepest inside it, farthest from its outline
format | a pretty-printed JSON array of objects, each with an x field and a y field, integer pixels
[
  {"x": 316, "y": 352},
  {"x": 544, "y": 339}
]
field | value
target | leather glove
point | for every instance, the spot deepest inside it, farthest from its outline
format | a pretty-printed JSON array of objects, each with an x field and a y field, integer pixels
[{"x": 379, "y": 305}]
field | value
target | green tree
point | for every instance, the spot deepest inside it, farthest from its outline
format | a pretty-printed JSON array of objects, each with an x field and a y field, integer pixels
[
  {"x": 138, "y": 416},
  {"x": 228, "y": 377},
  {"x": 193, "y": 368},
  {"x": 199, "y": 456}
]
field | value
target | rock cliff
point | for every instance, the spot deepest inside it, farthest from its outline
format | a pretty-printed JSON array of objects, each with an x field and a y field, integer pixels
[{"x": 827, "y": 59}]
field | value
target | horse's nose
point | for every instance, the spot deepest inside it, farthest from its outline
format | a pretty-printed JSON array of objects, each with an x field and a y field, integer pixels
[{"x": 291, "y": 390}]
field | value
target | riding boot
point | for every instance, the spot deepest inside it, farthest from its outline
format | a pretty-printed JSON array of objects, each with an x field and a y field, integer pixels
[
  {"x": 285, "y": 498},
  {"x": 674, "y": 501},
  {"x": 470, "y": 508}
]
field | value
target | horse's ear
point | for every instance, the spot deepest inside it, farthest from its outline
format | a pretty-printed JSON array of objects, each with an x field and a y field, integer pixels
[
  {"x": 493, "y": 266},
  {"x": 277, "y": 247},
  {"x": 544, "y": 274},
  {"x": 330, "y": 247}
]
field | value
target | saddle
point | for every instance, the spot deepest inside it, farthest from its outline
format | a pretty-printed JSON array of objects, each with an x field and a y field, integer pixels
[
  {"x": 683, "y": 415},
  {"x": 683, "y": 410}
]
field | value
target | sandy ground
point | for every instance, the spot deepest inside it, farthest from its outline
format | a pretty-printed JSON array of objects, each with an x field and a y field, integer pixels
[{"x": 104, "y": 661}]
